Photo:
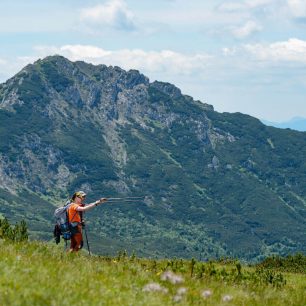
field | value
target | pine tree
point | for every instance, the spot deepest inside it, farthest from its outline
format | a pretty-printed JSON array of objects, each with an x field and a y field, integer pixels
[
  {"x": 22, "y": 231},
  {"x": 5, "y": 229},
  {"x": 17, "y": 233}
]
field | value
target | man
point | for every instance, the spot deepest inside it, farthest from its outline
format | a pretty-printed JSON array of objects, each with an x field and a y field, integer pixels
[{"x": 75, "y": 212}]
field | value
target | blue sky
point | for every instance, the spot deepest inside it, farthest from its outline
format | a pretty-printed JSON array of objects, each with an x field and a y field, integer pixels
[{"x": 247, "y": 56}]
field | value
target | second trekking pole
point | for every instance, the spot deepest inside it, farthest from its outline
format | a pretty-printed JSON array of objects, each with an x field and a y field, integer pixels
[{"x": 86, "y": 237}]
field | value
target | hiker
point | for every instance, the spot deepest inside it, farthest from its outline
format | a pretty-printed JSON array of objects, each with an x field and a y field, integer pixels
[{"x": 75, "y": 212}]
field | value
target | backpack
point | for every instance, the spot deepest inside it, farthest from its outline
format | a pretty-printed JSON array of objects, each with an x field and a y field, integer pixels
[{"x": 62, "y": 226}]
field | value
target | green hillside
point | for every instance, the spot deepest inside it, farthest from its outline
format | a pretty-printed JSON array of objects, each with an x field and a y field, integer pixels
[{"x": 215, "y": 184}]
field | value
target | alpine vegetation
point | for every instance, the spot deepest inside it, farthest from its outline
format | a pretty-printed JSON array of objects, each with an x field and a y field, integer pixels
[
  {"x": 16, "y": 233},
  {"x": 35, "y": 273}
]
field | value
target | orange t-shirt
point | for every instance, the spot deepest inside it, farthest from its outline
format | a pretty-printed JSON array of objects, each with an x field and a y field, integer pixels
[{"x": 73, "y": 214}]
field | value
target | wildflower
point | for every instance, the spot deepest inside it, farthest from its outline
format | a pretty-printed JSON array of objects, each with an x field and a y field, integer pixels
[
  {"x": 177, "y": 298},
  {"x": 179, "y": 294},
  {"x": 182, "y": 291},
  {"x": 171, "y": 277},
  {"x": 227, "y": 298},
  {"x": 154, "y": 287},
  {"x": 206, "y": 294}
]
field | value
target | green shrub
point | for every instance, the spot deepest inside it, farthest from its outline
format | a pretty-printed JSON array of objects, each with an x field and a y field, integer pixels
[
  {"x": 16, "y": 233},
  {"x": 292, "y": 263}
]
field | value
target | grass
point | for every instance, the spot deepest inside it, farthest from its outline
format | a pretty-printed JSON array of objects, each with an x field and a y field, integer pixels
[{"x": 37, "y": 273}]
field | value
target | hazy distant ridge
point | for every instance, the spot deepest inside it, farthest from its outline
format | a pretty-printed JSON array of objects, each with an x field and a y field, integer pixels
[{"x": 296, "y": 123}]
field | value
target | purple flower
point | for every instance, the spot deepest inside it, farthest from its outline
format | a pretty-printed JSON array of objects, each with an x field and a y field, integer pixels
[
  {"x": 171, "y": 277},
  {"x": 154, "y": 287},
  {"x": 227, "y": 298},
  {"x": 206, "y": 294}
]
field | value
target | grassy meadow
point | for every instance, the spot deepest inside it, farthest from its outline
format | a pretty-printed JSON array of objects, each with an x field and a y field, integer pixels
[{"x": 37, "y": 273}]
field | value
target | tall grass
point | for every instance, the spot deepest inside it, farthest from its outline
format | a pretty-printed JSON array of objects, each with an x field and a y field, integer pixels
[{"x": 36, "y": 273}]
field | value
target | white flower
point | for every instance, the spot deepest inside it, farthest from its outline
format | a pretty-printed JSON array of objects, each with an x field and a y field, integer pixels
[
  {"x": 182, "y": 291},
  {"x": 227, "y": 298},
  {"x": 177, "y": 298},
  {"x": 206, "y": 293},
  {"x": 154, "y": 287},
  {"x": 171, "y": 277}
]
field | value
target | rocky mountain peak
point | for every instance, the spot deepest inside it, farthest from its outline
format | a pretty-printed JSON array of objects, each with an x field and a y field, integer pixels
[
  {"x": 54, "y": 83},
  {"x": 168, "y": 89}
]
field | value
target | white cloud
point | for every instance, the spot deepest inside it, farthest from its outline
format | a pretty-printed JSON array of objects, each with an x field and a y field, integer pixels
[
  {"x": 83, "y": 51},
  {"x": 229, "y": 51},
  {"x": 231, "y": 6},
  {"x": 258, "y": 3},
  {"x": 293, "y": 50},
  {"x": 165, "y": 61},
  {"x": 297, "y": 8},
  {"x": 114, "y": 14},
  {"x": 3, "y": 62},
  {"x": 245, "y": 5},
  {"x": 247, "y": 29}
]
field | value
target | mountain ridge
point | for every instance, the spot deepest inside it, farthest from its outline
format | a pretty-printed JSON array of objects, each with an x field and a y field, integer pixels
[{"x": 214, "y": 184}]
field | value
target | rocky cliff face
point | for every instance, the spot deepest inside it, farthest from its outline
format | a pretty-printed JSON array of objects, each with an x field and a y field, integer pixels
[
  {"x": 108, "y": 98},
  {"x": 212, "y": 182}
]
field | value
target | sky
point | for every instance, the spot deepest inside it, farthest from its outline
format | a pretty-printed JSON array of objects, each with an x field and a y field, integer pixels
[{"x": 244, "y": 56}]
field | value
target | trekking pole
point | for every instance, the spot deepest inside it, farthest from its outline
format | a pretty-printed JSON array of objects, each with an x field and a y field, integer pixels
[
  {"x": 126, "y": 198},
  {"x": 118, "y": 201},
  {"x": 87, "y": 242}
]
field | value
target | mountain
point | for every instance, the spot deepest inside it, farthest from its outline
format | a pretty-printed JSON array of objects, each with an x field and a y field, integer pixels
[
  {"x": 215, "y": 184},
  {"x": 296, "y": 123}
]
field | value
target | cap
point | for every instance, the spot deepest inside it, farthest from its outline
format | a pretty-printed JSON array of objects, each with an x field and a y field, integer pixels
[{"x": 80, "y": 194}]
